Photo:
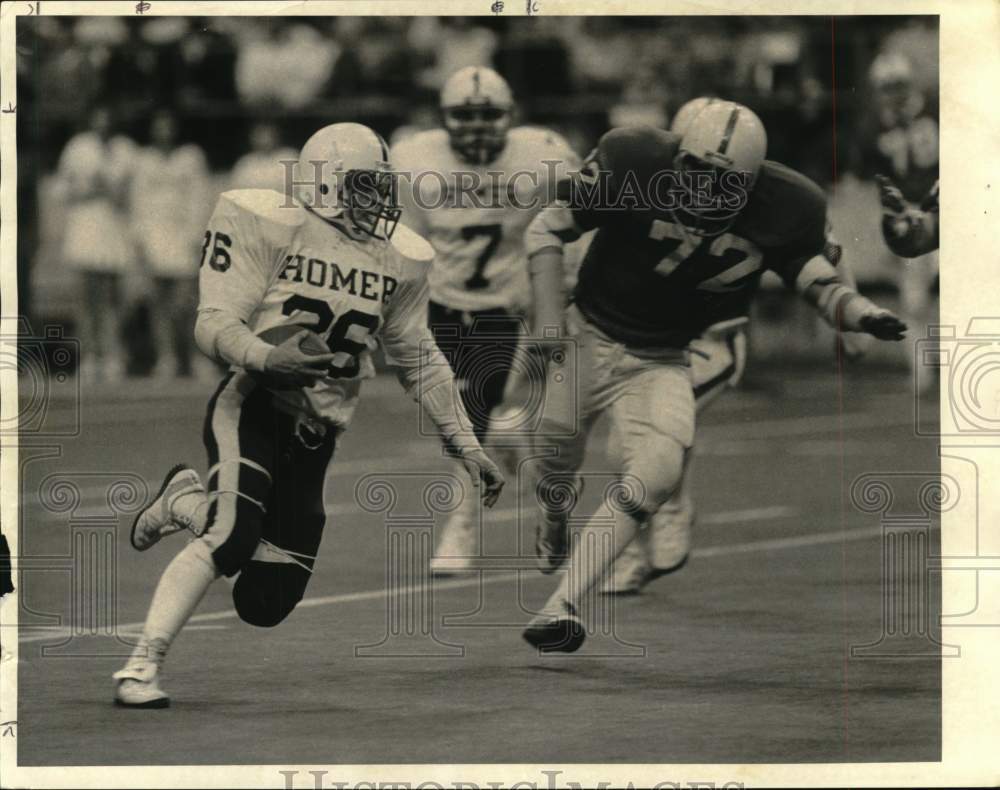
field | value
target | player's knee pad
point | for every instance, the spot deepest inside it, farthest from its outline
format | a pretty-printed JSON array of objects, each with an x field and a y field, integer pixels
[{"x": 266, "y": 592}]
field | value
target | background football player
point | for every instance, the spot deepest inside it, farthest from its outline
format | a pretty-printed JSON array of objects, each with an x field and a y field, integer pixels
[
  {"x": 338, "y": 264},
  {"x": 656, "y": 275},
  {"x": 901, "y": 141},
  {"x": 471, "y": 188}
]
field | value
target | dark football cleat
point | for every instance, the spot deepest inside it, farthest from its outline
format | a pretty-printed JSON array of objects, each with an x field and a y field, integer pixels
[{"x": 556, "y": 630}]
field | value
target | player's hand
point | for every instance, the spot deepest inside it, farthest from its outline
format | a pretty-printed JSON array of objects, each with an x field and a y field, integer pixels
[
  {"x": 884, "y": 325},
  {"x": 890, "y": 195},
  {"x": 486, "y": 476},
  {"x": 288, "y": 366}
]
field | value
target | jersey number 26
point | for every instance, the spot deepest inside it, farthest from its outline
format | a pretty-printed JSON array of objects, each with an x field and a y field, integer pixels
[{"x": 339, "y": 336}]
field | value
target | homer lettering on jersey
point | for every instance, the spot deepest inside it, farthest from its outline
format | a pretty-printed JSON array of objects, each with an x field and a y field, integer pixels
[{"x": 286, "y": 267}]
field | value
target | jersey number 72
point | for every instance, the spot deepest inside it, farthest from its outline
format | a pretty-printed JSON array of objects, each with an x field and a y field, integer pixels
[{"x": 738, "y": 257}]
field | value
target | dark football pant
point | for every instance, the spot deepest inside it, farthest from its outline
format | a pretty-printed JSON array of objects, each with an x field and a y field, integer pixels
[
  {"x": 265, "y": 486},
  {"x": 480, "y": 346}
]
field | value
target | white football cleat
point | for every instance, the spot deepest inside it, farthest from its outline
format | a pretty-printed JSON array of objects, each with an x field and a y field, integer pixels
[
  {"x": 139, "y": 687},
  {"x": 457, "y": 546},
  {"x": 160, "y": 518},
  {"x": 557, "y": 629},
  {"x": 670, "y": 536}
]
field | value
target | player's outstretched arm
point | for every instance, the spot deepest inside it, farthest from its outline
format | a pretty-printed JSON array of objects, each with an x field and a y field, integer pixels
[
  {"x": 842, "y": 307},
  {"x": 426, "y": 376}
]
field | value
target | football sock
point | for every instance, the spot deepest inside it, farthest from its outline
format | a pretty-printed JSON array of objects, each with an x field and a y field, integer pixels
[
  {"x": 595, "y": 548},
  {"x": 180, "y": 590},
  {"x": 193, "y": 506}
]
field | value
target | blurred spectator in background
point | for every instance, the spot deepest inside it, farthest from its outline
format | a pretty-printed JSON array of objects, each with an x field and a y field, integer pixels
[
  {"x": 72, "y": 73},
  {"x": 146, "y": 70},
  {"x": 423, "y": 117},
  {"x": 261, "y": 167},
  {"x": 97, "y": 242},
  {"x": 375, "y": 56},
  {"x": 450, "y": 44},
  {"x": 533, "y": 57},
  {"x": 29, "y": 168},
  {"x": 284, "y": 62},
  {"x": 643, "y": 101},
  {"x": 602, "y": 53},
  {"x": 170, "y": 204},
  {"x": 208, "y": 55}
]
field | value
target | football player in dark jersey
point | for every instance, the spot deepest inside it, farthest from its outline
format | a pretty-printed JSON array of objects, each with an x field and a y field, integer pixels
[
  {"x": 718, "y": 359},
  {"x": 685, "y": 228}
]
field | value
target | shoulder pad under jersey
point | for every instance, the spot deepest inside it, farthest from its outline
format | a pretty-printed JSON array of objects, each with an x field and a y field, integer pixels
[
  {"x": 643, "y": 149},
  {"x": 537, "y": 142},
  {"x": 267, "y": 205},
  {"x": 411, "y": 246},
  {"x": 420, "y": 151},
  {"x": 783, "y": 205}
]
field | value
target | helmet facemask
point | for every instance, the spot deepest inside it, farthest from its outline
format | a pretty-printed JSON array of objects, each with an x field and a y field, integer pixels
[
  {"x": 370, "y": 200},
  {"x": 365, "y": 203},
  {"x": 478, "y": 132},
  {"x": 712, "y": 194}
]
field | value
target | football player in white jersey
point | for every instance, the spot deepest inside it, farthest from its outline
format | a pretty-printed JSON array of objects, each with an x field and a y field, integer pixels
[
  {"x": 330, "y": 268},
  {"x": 471, "y": 188}
]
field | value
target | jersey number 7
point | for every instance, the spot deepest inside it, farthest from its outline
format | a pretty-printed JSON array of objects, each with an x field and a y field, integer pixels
[
  {"x": 336, "y": 334},
  {"x": 492, "y": 233}
]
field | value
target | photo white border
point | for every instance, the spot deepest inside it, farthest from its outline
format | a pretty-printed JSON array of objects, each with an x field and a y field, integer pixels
[{"x": 970, "y": 274}]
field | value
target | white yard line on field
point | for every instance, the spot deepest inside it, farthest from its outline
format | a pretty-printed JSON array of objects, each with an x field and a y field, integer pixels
[{"x": 477, "y": 579}]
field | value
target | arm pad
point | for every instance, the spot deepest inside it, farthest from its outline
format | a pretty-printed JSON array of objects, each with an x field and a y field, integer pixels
[
  {"x": 841, "y": 307},
  {"x": 431, "y": 383},
  {"x": 551, "y": 228},
  {"x": 225, "y": 338}
]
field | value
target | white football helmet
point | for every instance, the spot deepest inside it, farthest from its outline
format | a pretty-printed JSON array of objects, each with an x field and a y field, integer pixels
[
  {"x": 720, "y": 154},
  {"x": 477, "y": 106},
  {"x": 687, "y": 112},
  {"x": 344, "y": 177}
]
